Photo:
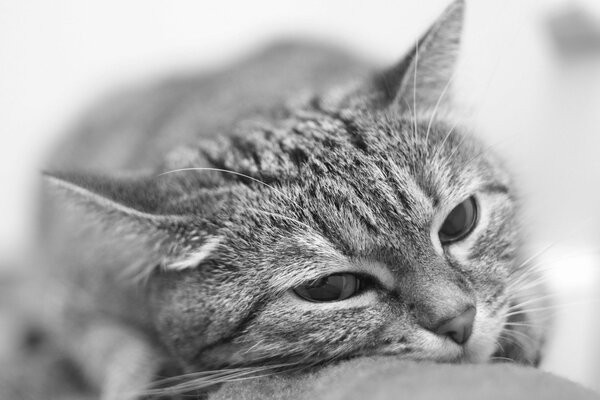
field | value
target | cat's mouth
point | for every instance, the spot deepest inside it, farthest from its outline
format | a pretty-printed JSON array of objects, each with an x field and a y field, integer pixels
[{"x": 436, "y": 350}]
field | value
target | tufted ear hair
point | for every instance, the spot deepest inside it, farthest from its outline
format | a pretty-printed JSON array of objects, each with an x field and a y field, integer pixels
[
  {"x": 422, "y": 78},
  {"x": 131, "y": 215},
  {"x": 133, "y": 197}
]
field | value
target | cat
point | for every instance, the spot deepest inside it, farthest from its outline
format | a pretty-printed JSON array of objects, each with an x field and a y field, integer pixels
[{"x": 292, "y": 211}]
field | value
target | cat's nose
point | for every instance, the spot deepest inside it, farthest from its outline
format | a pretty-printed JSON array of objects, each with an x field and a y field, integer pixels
[{"x": 459, "y": 327}]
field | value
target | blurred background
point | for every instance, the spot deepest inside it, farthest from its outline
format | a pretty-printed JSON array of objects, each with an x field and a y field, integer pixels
[{"x": 528, "y": 80}]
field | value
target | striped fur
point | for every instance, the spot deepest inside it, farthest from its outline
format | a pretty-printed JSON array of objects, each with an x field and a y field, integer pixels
[{"x": 342, "y": 178}]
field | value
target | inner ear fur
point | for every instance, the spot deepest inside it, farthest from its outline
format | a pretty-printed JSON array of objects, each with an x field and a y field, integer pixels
[
  {"x": 116, "y": 215},
  {"x": 131, "y": 195}
]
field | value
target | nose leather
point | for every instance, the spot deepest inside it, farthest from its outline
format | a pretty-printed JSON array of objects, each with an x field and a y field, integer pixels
[{"x": 458, "y": 328}]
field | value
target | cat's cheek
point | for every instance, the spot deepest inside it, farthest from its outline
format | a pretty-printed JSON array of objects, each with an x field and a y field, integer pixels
[{"x": 288, "y": 328}]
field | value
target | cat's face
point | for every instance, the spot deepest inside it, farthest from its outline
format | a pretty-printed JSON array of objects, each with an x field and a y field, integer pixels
[
  {"x": 367, "y": 205},
  {"x": 352, "y": 225}
]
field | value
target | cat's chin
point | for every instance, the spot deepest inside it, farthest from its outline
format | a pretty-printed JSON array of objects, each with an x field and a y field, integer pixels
[
  {"x": 446, "y": 353},
  {"x": 471, "y": 354},
  {"x": 479, "y": 349}
]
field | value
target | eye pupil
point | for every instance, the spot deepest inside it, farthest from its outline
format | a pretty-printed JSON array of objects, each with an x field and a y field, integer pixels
[
  {"x": 460, "y": 222},
  {"x": 331, "y": 288}
]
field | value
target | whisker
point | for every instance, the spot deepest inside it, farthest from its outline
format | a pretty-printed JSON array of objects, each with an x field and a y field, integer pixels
[
  {"x": 215, "y": 373},
  {"x": 553, "y": 307},
  {"x": 532, "y": 273},
  {"x": 498, "y": 344},
  {"x": 557, "y": 261},
  {"x": 511, "y": 337},
  {"x": 523, "y": 324},
  {"x": 441, "y": 145},
  {"x": 537, "y": 254},
  {"x": 435, "y": 110},
  {"x": 530, "y": 301},
  {"x": 276, "y": 215},
  {"x": 486, "y": 150},
  {"x": 233, "y": 173},
  {"x": 526, "y": 270},
  {"x": 451, "y": 156},
  {"x": 195, "y": 381},
  {"x": 497, "y": 358},
  {"x": 196, "y": 375},
  {"x": 524, "y": 287},
  {"x": 521, "y": 283},
  {"x": 415, "y": 85},
  {"x": 522, "y": 334},
  {"x": 510, "y": 340},
  {"x": 254, "y": 346},
  {"x": 411, "y": 116},
  {"x": 540, "y": 266}
]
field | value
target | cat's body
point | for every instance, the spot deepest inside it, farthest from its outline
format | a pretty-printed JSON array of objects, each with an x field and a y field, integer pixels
[{"x": 311, "y": 170}]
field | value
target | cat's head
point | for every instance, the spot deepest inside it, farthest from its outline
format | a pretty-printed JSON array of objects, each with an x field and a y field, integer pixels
[{"x": 360, "y": 222}]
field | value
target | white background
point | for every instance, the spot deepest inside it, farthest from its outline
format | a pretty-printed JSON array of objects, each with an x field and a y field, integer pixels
[{"x": 540, "y": 110}]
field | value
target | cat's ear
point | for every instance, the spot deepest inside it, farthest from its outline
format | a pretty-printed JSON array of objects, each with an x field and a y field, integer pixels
[
  {"x": 422, "y": 78},
  {"x": 128, "y": 213},
  {"x": 131, "y": 198}
]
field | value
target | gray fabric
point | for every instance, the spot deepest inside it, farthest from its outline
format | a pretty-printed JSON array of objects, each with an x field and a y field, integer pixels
[{"x": 390, "y": 378}]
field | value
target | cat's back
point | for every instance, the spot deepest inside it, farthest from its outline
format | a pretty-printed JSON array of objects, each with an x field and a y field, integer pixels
[{"x": 134, "y": 129}]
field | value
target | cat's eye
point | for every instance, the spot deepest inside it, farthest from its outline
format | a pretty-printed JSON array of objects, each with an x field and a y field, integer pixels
[
  {"x": 460, "y": 222},
  {"x": 330, "y": 288}
]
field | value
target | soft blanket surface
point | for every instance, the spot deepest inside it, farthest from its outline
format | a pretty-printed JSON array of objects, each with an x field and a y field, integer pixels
[{"x": 387, "y": 378}]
